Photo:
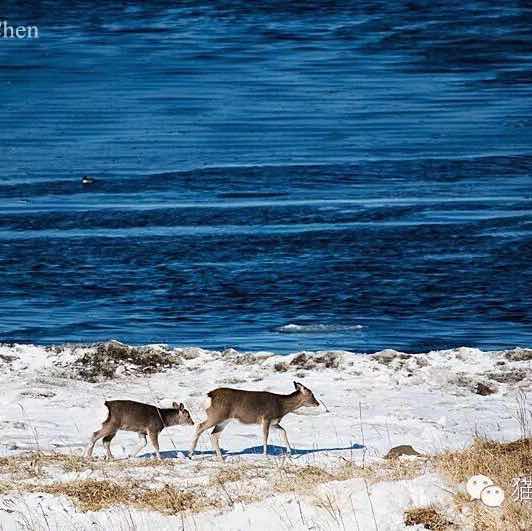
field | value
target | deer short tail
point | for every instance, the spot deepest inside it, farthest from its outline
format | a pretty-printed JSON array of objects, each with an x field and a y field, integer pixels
[
  {"x": 208, "y": 402},
  {"x": 107, "y": 405}
]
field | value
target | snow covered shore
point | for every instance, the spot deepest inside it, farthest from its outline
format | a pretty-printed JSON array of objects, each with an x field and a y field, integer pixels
[{"x": 52, "y": 401}]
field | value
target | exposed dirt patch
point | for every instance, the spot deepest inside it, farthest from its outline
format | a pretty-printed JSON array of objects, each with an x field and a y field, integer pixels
[
  {"x": 509, "y": 377},
  {"x": 429, "y": 517},
  {"x": 280, "y": 367},
  {"x": 483, "y": 389},
  {"x": 519, "y": 354},
  {"x": 112, "y": 359},
  {"x": 329, "y": 360}
]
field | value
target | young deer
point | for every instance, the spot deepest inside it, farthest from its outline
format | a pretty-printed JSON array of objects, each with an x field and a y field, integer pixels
[
  {"x": 250, "y": 407},
  {"x": 141, "y": 418}
]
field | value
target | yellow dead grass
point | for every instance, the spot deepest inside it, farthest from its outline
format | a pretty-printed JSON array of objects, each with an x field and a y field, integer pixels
[
  {"x": 429, "y": 517},
  {"x": 502, "y": 462},
  {"x": 95, "y": 495}
]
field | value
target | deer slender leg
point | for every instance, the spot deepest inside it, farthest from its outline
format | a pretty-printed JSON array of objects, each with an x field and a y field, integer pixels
[
  {"x": 96, "y": 436},
  {"x": 142, "y": 444},
  {"x": 203, "y": 426},
  {"x": 154, "y": 439},
  {"x": 265, "y": 432},
  {"x": 90, "y": 447},
  {"x": 107, "y": 444},
  {"x": 215, "y": 438},
  {"x": 284, "y": 436}
]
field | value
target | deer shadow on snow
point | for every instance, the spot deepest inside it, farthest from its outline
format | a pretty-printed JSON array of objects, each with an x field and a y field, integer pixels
[{"x": 273, "y": 450}]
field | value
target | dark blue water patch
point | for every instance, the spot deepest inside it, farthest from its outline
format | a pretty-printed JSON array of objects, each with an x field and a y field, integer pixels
[
  {"x": 289, "y": 180},
  {"x": 260, "y": 165},
  {"x": 101, "y": 92},
  {"x": 406, "y": 254},
  {"x": 247, "y": 195}
]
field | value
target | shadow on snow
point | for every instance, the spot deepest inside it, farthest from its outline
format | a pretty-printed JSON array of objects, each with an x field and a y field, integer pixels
[{"x": 256, "y": 450}]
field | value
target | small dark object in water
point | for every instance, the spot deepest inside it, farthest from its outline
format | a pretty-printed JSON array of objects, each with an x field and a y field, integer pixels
[
  {"x": 398, "y": 451},
  {"x": 87, "y": 180}
]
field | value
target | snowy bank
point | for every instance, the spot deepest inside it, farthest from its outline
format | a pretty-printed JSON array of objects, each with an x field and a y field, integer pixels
[{"x": 53, "y": 400}]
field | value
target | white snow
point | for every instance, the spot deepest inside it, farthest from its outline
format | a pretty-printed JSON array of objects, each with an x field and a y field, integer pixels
[{"x": 371, "y": 403}]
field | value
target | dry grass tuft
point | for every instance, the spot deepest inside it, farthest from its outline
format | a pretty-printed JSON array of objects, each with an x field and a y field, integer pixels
[
  {"x": 329, "y": 360},
  {"x": 428, "y": 517},
  {"x": 399, "y": 469},
  {"x": 40, "y": 460},
  {"x": 116, "y": 483},
  {"x": 102, "y": 363},
  {"x": 95, "y": 495},
  {"x": 314, "y": 474},
  {"x": 300, "y": 478},
  {"x": 296, "y": 478},
  {"x": 171, "y": 500},
  {"x": 5, "y": 487},
  {"x": 350, "y": 470},
  {"x": 502, "y": 463},
  {"x": 37, "y": 472},
  {"x": 394, "y": 470},
  {"x": 137, "y": 462},
  {"x": 21, "y": 467},
  {"x": 227, "y": 475},
  {"x": 33, "y": 465},
  {"x": 40, "y": 465},
  {"x": 90, "y": 495}
]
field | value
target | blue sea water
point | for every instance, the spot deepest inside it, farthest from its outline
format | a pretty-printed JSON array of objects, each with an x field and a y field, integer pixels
[{"x": 268, "y": 175}]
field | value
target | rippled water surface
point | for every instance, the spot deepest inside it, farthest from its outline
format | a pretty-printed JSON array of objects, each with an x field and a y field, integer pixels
[{"x": 268, "y": 176}]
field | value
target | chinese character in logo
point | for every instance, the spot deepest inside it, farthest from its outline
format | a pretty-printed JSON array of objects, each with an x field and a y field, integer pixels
[{"x": 522, "y": 488}]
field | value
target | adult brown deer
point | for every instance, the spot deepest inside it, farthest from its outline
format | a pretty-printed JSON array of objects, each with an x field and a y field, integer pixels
[
  {"x": 250, "y": 407},
  {"x": 143, "y": 419}
]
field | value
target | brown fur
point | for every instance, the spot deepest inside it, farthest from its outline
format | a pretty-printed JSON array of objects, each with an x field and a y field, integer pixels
[
  {"x": 143, "y": 419},
  {"x": 251, "y": 407}
]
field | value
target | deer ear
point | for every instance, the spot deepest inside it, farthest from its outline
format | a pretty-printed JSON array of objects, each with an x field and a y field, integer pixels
[
  {"x": 181, "y": 407},
  {"x": 298, "y": 386},
  {"x": 174, "y": 405}
]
